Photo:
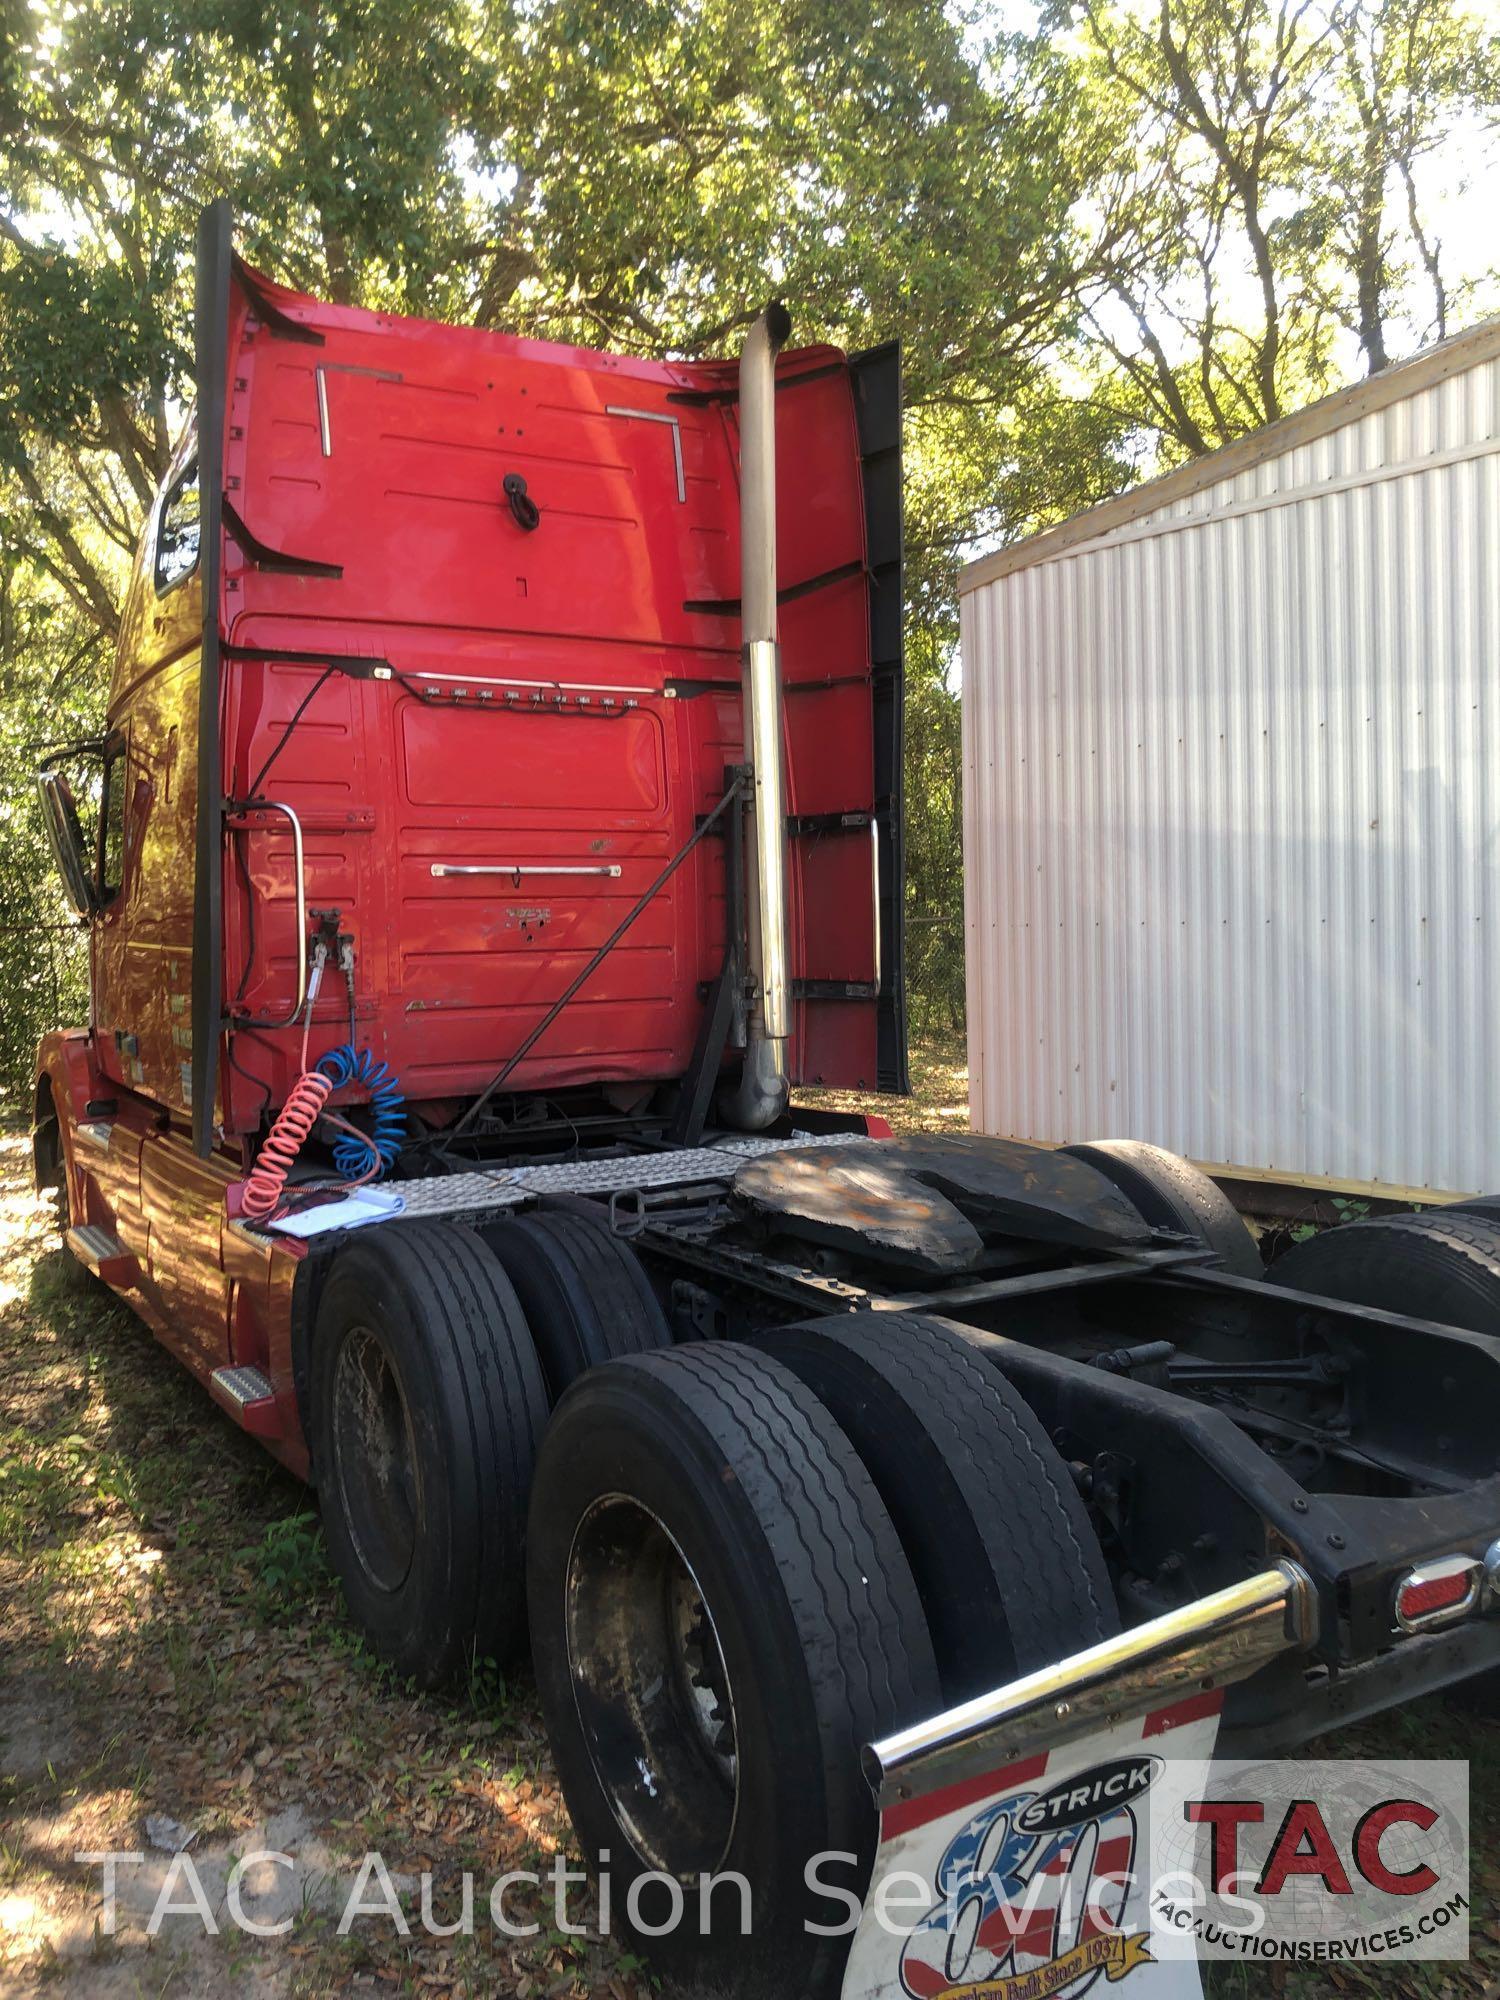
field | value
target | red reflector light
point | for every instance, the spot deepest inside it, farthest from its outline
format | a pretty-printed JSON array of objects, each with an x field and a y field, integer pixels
[{"x": 1437, "y": 1591}]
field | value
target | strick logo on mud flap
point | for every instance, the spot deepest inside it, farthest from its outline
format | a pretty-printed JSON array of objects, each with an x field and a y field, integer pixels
[{"x": 1032, "y": 1891}]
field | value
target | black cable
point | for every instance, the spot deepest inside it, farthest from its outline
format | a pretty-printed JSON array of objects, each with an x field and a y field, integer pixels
[
  {"x": 595, "y": 962},
  {"x": 235, "y": 1064},
  {"x": 249, "y": 889},
  {"x": 577, "y": 1140},
  {"x": 286, "y": 734},
  {"x": 527, "y": 513}
]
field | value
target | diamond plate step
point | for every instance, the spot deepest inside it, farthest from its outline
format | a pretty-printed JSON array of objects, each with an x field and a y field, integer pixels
[
  {"x": 249, "y": 1396},
  {"x": 102, "y": 1252},
  {"x": 507, "y": 1187},
  {"x": 479, "y": 1193}
]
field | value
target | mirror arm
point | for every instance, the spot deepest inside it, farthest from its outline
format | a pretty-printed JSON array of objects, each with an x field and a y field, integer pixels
[{"x": 48, "y": 754}]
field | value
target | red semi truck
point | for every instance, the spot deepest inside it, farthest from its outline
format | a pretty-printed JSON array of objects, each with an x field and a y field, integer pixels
[{"x": 499, "y": 818}]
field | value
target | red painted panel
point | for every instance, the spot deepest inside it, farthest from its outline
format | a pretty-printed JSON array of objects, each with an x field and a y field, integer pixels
[
  {"x": 541, "y": 762},
  {"x": 542, "y": 705},
  {"x": 563, "y": 698}
]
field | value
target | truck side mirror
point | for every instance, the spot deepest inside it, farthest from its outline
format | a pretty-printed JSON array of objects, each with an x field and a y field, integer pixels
[{"x": 65, "y": 837}]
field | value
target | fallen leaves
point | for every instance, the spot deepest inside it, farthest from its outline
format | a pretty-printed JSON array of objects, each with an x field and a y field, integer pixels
[{"x": 137, "y": 1633}]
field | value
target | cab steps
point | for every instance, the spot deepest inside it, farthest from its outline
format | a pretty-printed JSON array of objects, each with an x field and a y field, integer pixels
[
  {"x": 249, "y": 1397},
  {"x": 102, "y": 1252}
]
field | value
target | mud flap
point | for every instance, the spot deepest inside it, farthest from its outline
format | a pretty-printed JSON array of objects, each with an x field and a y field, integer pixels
[
  {"x": 1015, "y": 1850},
  {"x": 1035, "y": 1879}
]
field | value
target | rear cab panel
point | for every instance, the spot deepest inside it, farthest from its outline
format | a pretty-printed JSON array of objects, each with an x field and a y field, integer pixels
[{"x": 553, "y": 704}]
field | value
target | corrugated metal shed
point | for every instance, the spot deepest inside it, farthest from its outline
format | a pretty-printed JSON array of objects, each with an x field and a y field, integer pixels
[{"x": 1232, "y": 800}]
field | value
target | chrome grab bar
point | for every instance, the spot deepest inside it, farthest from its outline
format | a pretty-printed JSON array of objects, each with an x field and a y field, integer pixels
[
  {"x": 276, "y": 806},
  {"x": 875, "y": 867},
  {"x": 659, "y": 417},
  {"x": 1214, "y": 1641},
  {"x": 516, "y": 869}
]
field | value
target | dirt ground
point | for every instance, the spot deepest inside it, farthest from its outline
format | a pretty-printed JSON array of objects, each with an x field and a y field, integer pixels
[{"x": 175, "y": 1665}]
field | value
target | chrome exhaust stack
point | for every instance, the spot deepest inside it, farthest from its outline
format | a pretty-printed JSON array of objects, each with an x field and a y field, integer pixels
[{"x": 761, "y": 1095}]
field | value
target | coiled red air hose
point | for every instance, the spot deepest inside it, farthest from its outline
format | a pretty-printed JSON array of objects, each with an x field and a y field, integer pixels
[
  {"x": 266, "y": 1181},
  {"x": 284, "y": 1141}
]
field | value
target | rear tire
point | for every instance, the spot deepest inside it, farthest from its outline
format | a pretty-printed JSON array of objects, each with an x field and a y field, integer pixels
[
  {"x": 585, "y": 1294},
  {"x": 1439, "y": 1265},
  {"x": 1168, "y": 1192},
  {"x": 1487, "y": 1205},
  {"x": 428, "y": 1406},
  {"x": 1442, "y": 1265},
  {"x": 1010, "y": 1572},
  {"x": 721, "y": 1618}
]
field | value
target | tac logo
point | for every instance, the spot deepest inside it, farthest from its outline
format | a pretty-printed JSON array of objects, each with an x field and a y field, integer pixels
[{"x": 1032, "y": 1893}]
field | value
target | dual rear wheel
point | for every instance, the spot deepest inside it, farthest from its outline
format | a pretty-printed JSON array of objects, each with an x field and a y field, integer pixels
[
  {"x": 428, "y": 1405},
  {"x": 740, "y": 1564},
  {"x": 1442, "y": 1264},
  {"x": 436, "y": 1357},
  {"x": 722, "y": 1616},
  {"x": 746, "y": 1563}
]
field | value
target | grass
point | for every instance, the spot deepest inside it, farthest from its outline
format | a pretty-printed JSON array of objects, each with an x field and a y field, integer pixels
[{"x": 171, "y": 1641}]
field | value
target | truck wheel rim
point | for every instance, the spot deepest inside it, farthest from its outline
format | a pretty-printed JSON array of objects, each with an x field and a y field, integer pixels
[
  {"x": 651, "y": 1688},
  {"x": 374, "y": 1459}
]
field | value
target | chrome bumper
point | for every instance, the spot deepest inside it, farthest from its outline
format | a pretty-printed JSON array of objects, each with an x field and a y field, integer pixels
[{"x": 1211, "y": 1643}]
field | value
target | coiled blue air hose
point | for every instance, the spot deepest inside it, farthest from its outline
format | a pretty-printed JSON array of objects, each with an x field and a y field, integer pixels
[{"x": 351, "y": 1156}]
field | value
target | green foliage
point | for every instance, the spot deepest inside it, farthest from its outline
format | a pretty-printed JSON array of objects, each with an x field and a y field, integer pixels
[
  {"x": 291, "y": 1569},
  {"x": 1346, "y": 1208},
  {"x": 1272, "y": 194},
  {"x": 52, "y": 669},
  {"x": 1107, "y": 241},
  {"x": 74, "y": 337}
]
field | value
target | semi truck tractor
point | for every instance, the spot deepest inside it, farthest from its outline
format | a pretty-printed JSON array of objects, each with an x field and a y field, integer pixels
[{"x": 496, "y": 823}]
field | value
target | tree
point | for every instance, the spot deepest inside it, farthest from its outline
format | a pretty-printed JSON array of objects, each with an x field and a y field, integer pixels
[
  {"x": 638, "y": 176},
  {"x": 1208, "y": 312},
  {"x": 1268, "y": 157},
  {"x": 1408, "y": 74}
]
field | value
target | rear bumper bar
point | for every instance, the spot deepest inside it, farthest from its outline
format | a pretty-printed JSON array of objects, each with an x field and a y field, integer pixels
[
  {"x": 1212, "y": 1643},
  {"x": 1287, "y": 1706}
]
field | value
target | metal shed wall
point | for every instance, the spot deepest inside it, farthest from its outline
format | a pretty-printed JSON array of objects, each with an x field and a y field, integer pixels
[{"x": 1232, "y": 770}]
